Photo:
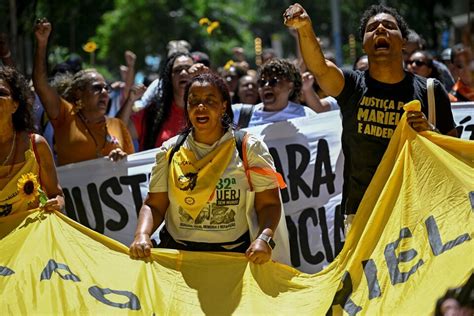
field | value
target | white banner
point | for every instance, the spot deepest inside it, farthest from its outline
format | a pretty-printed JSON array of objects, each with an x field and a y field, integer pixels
[
  {"x": 107, "y": 196},
  {"x": 307, "y": 152},
  {"x": 463, "y": 113}
]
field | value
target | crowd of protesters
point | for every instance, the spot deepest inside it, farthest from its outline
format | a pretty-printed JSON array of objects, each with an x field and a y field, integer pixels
[{"x": 83, "y": 117}]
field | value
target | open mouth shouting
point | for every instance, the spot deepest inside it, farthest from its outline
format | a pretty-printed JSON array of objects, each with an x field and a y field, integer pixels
[
  {"x": 268, "y": 96},
  {"x": 183, "y": 81},
  {"x": 202, "y": 119},
  {"x": 381, "y": 43}
]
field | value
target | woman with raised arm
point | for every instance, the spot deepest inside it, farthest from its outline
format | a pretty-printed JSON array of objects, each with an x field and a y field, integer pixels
[
  {"x": 27, "y": 172},
  {"x": 81, "y": 129}
]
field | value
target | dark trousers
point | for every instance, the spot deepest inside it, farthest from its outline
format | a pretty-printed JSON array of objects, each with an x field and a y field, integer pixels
[{"x": 166, "y": 241}]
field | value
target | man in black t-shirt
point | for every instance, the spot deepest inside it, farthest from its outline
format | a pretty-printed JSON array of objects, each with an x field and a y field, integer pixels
[{"x": 372, "y": 101}]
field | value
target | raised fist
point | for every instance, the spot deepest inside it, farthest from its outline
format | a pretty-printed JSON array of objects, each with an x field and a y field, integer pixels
[
  {"x": 130, "y": 58},
  {"x": 295, "y": 16},
  {"x": 42, "y": 30}
]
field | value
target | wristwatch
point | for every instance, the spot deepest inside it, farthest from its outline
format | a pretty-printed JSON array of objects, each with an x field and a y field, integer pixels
[{"x": 268, "y": 240}]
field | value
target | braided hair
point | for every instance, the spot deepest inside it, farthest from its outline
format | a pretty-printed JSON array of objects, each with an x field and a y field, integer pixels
[
  {"x": 215, "y": 81},
  {"x": 158, "y": 109}
]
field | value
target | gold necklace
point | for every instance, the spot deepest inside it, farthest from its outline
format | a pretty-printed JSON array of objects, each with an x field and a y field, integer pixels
[
  {"x": 11, "y": 149},
  {"x": 97, "y": 151}
]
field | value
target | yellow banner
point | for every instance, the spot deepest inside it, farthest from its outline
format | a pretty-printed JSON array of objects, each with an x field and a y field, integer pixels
[{"x": 409, "y": 243}]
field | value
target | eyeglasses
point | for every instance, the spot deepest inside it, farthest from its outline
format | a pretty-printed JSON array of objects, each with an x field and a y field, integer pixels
[
  {"x": 271, "y": 82},
  {"x": 417, "y": 63},
  {"x": 98, "y": 88}
]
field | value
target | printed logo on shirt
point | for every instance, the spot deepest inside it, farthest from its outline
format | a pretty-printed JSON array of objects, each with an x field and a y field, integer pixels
[
  {"x": 211, "y": 218},
  {"x": 226, "y": 194},
  {"x": 378, "y": 117}
]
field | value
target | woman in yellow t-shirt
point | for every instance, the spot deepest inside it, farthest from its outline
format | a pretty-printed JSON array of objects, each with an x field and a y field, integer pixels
[
  {"x": 27, "y": 171},
  {"x": 81, "y": 129}
]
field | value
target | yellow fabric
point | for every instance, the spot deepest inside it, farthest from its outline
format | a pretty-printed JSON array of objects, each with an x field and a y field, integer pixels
[
  {"x": 10, "y": 199},
  {"x": 194, "y": 181},
  {"x": 422, "y": 185}
]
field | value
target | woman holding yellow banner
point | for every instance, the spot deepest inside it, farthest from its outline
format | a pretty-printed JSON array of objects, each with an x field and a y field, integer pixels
[
  {"x": 199, "y": 184},
  {"x": 27, "y": 166}
]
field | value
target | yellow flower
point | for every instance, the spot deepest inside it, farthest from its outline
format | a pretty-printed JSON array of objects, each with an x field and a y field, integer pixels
[
  {"x": 228, "y": 64},
  {"x": 212, "y": 27},
  {"x": 203, "y": 21},
  {"x": 28, "y": 187},
  {"x": 90, "y": 47}
]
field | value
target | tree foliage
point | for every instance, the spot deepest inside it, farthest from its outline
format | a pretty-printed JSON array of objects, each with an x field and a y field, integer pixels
[{"x": 146, "y": 26}]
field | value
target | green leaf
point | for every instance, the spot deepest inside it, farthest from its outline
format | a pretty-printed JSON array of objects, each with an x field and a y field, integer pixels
[{"x": 42, "y": 197}]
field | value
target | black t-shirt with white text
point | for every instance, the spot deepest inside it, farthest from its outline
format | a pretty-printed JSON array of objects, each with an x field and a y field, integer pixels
[{"x": 370, "y": 112}]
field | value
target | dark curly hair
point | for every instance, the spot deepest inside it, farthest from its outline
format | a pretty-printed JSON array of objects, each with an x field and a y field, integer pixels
[
  {"x": 380, "y": 8},
  {"x": 21, "y": 92},
  {"x": 216, "y": 81},
  {"x": 284, "y": 69},
  {"x": 158, "y": 110}
]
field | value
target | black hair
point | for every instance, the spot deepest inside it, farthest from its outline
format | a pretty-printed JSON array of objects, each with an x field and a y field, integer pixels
[
  {"x": 380, "y": 8},
  {"x": 429, "y": 63},
  {"x": 464, "y": 295},
  {"x": 235, "y": 97},
  {"x": 201, "y": 57},
  {"x": 216, "y": 81},
  {"x": 158, "y": 110},
  {"x": 20, "y": 92},
  {"x": 285, "y": 69},
  {"x": 354, "y": 66},
  {"x": 414, "y": 37}
]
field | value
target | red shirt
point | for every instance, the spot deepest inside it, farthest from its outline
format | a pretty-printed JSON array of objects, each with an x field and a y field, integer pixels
[{"x": 170, "y": 127}]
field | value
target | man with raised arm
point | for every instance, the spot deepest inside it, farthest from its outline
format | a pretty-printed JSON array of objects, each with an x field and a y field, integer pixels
[{"x": 371, "y": 101}]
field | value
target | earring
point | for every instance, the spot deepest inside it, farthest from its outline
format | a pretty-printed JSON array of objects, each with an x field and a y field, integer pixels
[{"x": 78, "y": 106}]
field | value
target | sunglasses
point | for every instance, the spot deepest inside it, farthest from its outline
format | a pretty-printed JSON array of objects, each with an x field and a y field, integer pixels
[
  {"x": 271, "y": 82},
  {"x": 418, "y": 63},
  {"x": 98, "y": 88},
  {"x": 179, "y": 69}
]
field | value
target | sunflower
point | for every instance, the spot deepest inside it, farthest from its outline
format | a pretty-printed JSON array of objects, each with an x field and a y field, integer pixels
[
  {"x": 28, "y": 187},
  {"x": 90, "y": 47}
]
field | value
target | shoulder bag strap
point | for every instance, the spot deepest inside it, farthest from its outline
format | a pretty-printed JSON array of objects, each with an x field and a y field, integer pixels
[
  {"x": 431, "y": 101},
  {"x": 179, "y": 143},
  {"x": 245, "y": 115}
]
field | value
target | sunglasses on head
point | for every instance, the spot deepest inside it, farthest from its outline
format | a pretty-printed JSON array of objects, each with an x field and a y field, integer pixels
[
  {"x": 98, "y": 88},
  {"x": 418, "y": 63},
  {"x": 271, "y": 82}
]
